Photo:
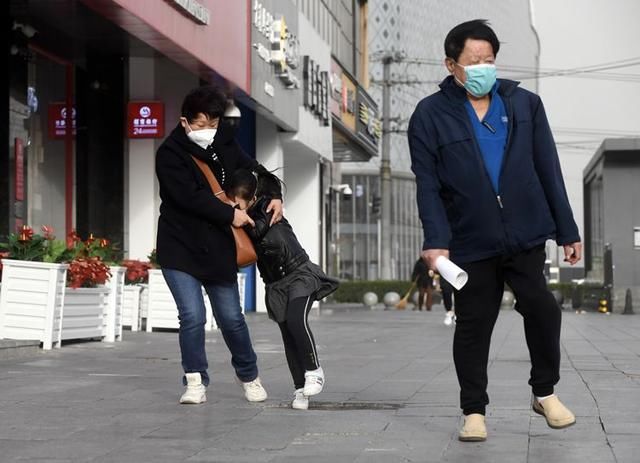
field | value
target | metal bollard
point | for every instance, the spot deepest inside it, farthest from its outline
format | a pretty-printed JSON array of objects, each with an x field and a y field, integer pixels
[{"x": 628, "y": 303}]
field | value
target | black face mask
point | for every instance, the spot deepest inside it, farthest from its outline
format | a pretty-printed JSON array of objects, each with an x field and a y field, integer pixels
[{"x": 227, "y": 130}]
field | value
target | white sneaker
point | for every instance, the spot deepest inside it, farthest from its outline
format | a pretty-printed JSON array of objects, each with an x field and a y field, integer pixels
[
  {"x": 196, "y": 391},
  {"x": 253, "y": 391},
  {"x": 313, "y": 382},
  {"x": 448, "y": 318},
  {"x": 300, "y": 401}
]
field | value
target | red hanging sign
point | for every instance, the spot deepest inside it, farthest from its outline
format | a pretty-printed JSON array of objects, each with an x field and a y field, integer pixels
[
  {"x": 19, "y": 171},
  {"x": 145, "y": 119}
]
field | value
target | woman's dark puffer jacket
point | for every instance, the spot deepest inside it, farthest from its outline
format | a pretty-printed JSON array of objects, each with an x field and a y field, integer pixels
[{"x": 194, "y": 234}]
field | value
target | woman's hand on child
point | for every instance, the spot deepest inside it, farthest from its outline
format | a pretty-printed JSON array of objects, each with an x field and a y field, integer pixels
[
  {"x": 241, "y": 218},
  {"x": 276, "y": 206}
]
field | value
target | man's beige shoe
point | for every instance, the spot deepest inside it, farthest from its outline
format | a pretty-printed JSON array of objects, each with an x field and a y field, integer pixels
[
  {"x": 557, "y": 415},
  {"x": 474, "y": 429}
]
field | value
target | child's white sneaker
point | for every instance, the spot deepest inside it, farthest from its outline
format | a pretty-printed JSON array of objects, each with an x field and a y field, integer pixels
[
  {"x": 300, "y": 401},
  {"x": 313, "y": 382},
  {"x": 253, "y": 391},
  {"x": 196, "y": 392},
  {"x": 448, "y": 318}
]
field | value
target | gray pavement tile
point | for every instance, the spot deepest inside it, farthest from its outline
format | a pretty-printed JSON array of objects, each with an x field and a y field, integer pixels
[
  {"x": 336, "y": 457},
  {"x": 166, "y": 450},
  {"x": 383, "y": 455},
  {"x": 436, "y": 397},
  {"x": 498, "y": 448},
  {"x": 623, "y": 426},
  {"x": 337, "y": 446},
  {"x": 329, "y": 422},
  {"x": 118, "y": 403},
  {"x": 36, "y": 432},
  {"x": 390, "y": 389},
  {"x": 425, "y": 410},
  {"x": 546, "y": 450},
  {"x": 221, "y": 455},
  {"x": 625, "y": 448},
  {"x": 59, "y": 449}
]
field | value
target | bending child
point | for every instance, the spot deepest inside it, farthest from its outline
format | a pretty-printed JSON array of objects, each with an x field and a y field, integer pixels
[{"x": 291, "y": 280}]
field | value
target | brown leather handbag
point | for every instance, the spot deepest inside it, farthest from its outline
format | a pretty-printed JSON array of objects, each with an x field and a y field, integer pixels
[{"x": 245, "y": 252}]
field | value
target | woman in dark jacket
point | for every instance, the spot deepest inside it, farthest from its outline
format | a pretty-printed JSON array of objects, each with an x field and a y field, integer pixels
[
  {"x": 195, "y": 246},
  {"x": 292, "y": 281}
]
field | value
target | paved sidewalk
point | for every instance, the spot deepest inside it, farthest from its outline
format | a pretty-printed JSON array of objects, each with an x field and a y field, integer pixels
[{"x": 391, "y": 396}]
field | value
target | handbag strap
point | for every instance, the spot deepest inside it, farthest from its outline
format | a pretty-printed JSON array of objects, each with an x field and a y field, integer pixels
[{"x": 213, "y": 181}]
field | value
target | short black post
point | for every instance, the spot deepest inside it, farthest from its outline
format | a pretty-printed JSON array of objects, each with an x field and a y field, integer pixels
[{"x": 628, "y": 303}]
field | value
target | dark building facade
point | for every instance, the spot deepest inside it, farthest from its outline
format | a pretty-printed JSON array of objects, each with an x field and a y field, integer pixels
[{"x": 612, "y": 215}]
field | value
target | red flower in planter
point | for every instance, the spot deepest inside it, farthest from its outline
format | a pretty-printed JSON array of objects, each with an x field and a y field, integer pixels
[
  {"x": 48, "y": 232},
  {"x": 72, "y": 239},
  {"x": 87, "y": 272},
  {"x": 93, "y": 247},
  {"x": 90, "y": 240},
  {"x": 137, "y": 271},
  {"x": 29, "y": 246},
  {"x": 26, "y": 233}
]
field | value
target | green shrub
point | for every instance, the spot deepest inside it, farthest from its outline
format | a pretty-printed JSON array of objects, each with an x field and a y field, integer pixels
[
  {"x": 584, "y": 296},
  {"x": 565, "y": 288},
  {"x": 353, "y": 291}
]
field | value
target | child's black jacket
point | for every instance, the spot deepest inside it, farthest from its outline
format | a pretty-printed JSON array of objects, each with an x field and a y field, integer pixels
[{"x": 279, "y": 252}]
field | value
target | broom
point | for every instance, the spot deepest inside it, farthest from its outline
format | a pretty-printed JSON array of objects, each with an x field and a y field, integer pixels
[{"x": 403, "y": 302}]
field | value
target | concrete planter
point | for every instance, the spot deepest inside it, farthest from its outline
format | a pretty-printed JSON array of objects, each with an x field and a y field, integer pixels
[
  {"x": 31, "y": 301},
  {"x": 85, "y": 313},
  {"x": 131, "y": 314},
  {"x": 115, "y": 303}
]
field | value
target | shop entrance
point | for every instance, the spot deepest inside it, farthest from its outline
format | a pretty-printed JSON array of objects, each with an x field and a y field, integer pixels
[
  {"x": 41, "y": 91},
  {"x": 66, "y": 120}
]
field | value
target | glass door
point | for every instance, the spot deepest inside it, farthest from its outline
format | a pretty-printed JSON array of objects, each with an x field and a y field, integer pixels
[{"x": 49, "y": 153}]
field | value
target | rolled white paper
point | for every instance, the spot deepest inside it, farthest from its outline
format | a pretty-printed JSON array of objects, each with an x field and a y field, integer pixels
[{"x": 451, "y": 272}]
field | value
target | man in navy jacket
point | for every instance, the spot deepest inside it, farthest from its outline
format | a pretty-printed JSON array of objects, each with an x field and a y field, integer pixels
[{"x": 490, "y": 194}]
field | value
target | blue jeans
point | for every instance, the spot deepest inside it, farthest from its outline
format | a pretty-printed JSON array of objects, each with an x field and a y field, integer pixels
[{"x": 225, "y": 300}]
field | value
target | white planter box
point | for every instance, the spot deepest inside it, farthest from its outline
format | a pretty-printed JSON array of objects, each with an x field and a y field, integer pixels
[
  {"x": 242, "y": 283},
  {"x": 162, "y": 311},
  {"x": 84, "y": 313},
  {"x": 144, "y": 301},
  {"x": 31, "y": 301},
  {"x": 115, "y": 302},
  {"x": 131, "y": 314}
]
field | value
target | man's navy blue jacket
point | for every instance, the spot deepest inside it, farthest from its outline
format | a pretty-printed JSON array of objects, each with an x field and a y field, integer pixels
[{"x": 458, "y": 207}]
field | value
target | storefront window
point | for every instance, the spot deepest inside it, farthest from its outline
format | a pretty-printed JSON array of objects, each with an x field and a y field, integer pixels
[
  {"x": 45, "y": 147},
  {"x": 359, "y": 247},
  {"x": 37, "y": 118}
]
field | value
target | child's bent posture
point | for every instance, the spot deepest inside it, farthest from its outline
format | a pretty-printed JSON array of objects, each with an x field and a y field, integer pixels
[{"x": 292, "y": 281}]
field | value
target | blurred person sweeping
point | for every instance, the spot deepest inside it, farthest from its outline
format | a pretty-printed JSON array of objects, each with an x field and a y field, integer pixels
[
  {"x": 447, "y": 299},
  {"x": 423, "y": 278}
]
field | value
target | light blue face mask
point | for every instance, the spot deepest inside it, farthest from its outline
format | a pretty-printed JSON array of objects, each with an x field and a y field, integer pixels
[{"x": 480, "y": 78}]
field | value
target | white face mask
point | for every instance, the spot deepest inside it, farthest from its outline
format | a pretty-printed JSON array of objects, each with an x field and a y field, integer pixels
[{"x": 202, "y": 137}]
